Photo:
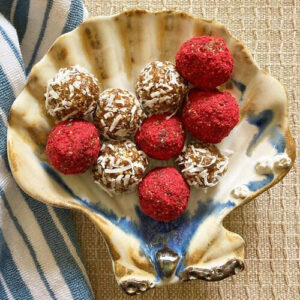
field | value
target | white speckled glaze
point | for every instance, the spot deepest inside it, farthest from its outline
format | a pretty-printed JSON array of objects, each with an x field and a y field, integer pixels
[{"x": 146, "y": 253}]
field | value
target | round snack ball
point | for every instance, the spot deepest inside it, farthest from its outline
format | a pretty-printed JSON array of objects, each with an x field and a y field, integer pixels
[
  {"x": 164, "y": 194},
  {"x": 161, "y": 88},
  {"x": 160, "y": 137},
  {"x": 202, "y": 165},
  {"x": 120, "y": 166},
  {"x": 72, "y": 93},
  {"x": 118, "y": 114},
  {"x": 73, "y": 146},
  {"x": 210, "y": 116},
  {"x": 205, "y": 61}
]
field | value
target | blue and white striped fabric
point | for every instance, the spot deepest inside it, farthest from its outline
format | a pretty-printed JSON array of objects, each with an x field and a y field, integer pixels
[{"x": 39, "y": 255}]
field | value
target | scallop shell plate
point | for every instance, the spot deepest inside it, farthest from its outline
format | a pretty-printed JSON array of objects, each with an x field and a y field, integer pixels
[{"x": 146, "y": 253}]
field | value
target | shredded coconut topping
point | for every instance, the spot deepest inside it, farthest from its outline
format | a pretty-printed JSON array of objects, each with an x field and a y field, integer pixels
[
  {"x": 240, "y": 192},
  {"x": 119, "y": 113},
  {"x": 120, "y": 166},
  {"x": 161, "y": 88},
  {"x": 72, "y": 92},
  {"x": 202, "y": 165}
]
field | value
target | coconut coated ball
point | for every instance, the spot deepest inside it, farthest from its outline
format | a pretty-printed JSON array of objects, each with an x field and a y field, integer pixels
[
  {"x": 120, "y": 166},
  {"x": 160, "y": 88},
  {"x": 161, "y": 137},
  {"x": 205, "y": 61},
  {"x": 163, "y": 194},
  {"x": 73, "y": 146},
  {"x": 210, "y": 116},
  {"x": 118, "y": 114},
  {"x": 202, "y": 165},
  {"x": 72, "y": 93}
]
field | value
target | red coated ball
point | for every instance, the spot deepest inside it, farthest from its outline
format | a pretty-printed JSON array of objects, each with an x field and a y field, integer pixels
[
  {"x": 164, "y": 194},
  {"x": 73, "y": 146},
  {"x": 210, "y": 116},
  {"x": 160, "y": 137},
  {"x": 205, "y": 61}
]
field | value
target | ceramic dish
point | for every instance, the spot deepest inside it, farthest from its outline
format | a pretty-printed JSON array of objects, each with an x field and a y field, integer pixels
[{"x": 146, "y": 253}]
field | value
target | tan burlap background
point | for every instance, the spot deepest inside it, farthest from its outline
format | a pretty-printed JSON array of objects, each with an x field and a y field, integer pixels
[{"x": 270, "y": 225}]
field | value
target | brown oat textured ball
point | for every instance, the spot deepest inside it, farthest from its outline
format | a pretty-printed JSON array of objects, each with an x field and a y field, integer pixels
[
  {"x": 160, "y": 88},
  {"x": 118, "y": 114},
  {"x": 72, "y": 94},
  {"x": 120, "y": 166},
  {"x": 202, "y": 165}
]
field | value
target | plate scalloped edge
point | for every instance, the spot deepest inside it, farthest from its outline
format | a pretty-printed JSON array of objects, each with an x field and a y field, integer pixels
[{"x": 146, "y": 253}]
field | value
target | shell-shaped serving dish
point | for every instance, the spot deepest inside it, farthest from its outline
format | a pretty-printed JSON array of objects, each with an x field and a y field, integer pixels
[{"x": 146, "y": 253}]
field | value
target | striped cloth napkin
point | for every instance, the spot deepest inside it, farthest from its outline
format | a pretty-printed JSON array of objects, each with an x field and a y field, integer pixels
[{"x": 39, "y": 254}]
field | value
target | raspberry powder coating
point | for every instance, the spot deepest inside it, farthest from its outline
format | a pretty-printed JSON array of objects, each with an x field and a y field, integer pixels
[
  {"x": 164, "y": 194},
  {"x": 73, "y": 146},
  {"x": 210, "y": 116},
  {"x": 205, "y": 61},
  {"x": 160, "y": 137}
]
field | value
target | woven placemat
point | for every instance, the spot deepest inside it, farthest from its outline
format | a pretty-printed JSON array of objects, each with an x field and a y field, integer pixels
[{"x": 270, "y": 224}]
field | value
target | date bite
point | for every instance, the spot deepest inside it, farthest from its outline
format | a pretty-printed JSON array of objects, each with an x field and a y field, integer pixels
[
  {"x": 72, "y": 94},
  {"x": 161, "y": 137},
  {"x": 160, "y": 88},
  {"x": 202, "y": 165},
  {"x": 205, "y": 61},
  {"x": 73, "y": 146},
  {"x": 164, "y": 194},
  {"x": 120, "y": 166},
  {"x": 118, "y": 114}
]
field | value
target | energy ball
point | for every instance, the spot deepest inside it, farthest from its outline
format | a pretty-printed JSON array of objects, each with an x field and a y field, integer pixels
[
  {"x": 118, "y": 114},
  {"x": 160, "y": 88},
  {"x": 163, "y": 194},
  {"x": 120, "y": 166},
  {"x": 73, "y": 146},
  {"x": 210, "y": 116},
  {"x": 205, "y": 61},
  {"x": 72, "y": 93},
  {"x": 202, "y": 165},
  {"x": 161, "y": 137}
]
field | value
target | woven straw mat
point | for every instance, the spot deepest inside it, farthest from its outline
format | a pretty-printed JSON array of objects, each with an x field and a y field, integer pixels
[{"x": 270, "y": 224}]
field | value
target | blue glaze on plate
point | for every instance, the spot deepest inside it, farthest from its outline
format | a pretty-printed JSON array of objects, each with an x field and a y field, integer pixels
[
  {"x": 277, "y": 140},
  {"x": 257, "y": 185},
  {"x": 178, "y": 233},
  {"x": 261, "y": 121},
  {"x": 241, "y": 87}
]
